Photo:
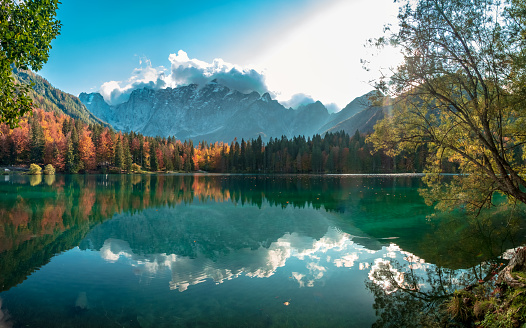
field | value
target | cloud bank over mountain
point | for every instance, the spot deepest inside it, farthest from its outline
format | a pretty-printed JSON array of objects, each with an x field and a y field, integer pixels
[
  {"x": 185, "y": 71},
  {"x": 116, "y": 92},
  {"x": 298, "y": 100}
]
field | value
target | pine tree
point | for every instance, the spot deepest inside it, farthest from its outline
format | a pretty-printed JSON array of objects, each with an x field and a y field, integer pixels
[
  {"x": 37, "y": 141},
  {"x": 127, "y": 157},
  {"x": 75, "y": 143},
  {"x": 70, "y": 164},
  {"x": 119, "y": 154},
  {"x": 154, "y": 165},
  {"x": 168, "y": 163}
]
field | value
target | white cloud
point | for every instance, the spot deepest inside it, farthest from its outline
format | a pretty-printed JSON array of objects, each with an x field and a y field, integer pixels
[
  {"x": 332, "y": 107},
  {"x": 346, "y": 260},
  {"x": 185, "y": 71},
  {"x": 113, "y": 249},
  {"x": 319, "y": 59},
  {"x": 255, "y": 263},
  {"x": 115, "y": 92},
  {"x": 298, "y": 100}
]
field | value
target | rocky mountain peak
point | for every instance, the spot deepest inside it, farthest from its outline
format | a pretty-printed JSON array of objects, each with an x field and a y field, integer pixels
[
  {"x": 214, "y": 112},
  {"x": 266, "y": 97}
]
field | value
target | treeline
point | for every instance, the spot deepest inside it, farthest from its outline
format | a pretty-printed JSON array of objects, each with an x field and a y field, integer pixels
[
  {"x": 72, "y": 146},
  {"x": 51, "y": 99}
]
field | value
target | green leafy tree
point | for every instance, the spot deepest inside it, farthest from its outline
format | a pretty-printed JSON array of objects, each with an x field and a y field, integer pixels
[
  {"x": 460, "y": 91},
  {"x": 26, "y": 30}
]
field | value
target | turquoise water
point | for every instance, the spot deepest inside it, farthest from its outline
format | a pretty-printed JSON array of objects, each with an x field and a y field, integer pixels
[{"x": 231, "y": 250}]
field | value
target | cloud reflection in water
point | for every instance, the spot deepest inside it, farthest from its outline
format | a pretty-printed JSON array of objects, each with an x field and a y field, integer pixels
[{"x": 318, "y": 257}]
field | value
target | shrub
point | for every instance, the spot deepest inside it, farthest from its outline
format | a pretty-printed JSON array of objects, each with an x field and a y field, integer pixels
[
  {"x": 49, "y": 170},
  {"x": 136, "y": 167},
  {"x": 35, "y": 169},
  {"x": 460, "y": 306}
]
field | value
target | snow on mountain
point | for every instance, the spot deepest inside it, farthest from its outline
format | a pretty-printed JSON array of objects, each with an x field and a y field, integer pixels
[{"x": 215, "y": 112}]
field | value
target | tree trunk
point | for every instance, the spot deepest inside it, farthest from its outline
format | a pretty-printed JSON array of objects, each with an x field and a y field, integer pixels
[{"x": 517, "y": 263}]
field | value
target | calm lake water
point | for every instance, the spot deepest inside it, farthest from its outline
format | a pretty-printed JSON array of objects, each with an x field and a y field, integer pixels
[{"x": 233, "y": 250}]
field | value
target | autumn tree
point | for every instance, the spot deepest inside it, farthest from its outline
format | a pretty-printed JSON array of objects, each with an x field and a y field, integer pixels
[
  {"x": 460, "y": 91},
  {"x": 105, "y": 149},
  {"x": 86, "y": 150},
  {"x": 21, "y": 143},
  {"x": 26, "y": 30}
]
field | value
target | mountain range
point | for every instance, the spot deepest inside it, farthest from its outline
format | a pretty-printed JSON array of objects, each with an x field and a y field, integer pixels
[{"x": 214, "y": 112}]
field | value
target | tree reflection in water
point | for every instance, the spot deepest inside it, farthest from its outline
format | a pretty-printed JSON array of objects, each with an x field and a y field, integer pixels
[
  {"x": 39, "y": 219},
  {"x": 42, "y": 217},
  {"x": 413, "y": 293}
]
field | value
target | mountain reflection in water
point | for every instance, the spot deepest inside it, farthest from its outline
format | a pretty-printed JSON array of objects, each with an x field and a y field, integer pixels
[{"x": 179, "y": 232}]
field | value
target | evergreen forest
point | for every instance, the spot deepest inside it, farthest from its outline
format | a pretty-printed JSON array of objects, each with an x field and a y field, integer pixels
[{"x": 74, "y": 146}]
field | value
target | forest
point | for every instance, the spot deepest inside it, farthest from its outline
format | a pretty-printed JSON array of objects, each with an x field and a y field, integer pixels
[{"x": 72, "y": 146}]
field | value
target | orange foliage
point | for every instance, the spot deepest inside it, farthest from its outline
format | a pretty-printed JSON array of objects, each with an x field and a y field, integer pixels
[
  {"x": 20, "y": 137},
  {"x": 87, "y": 200},
  {"x": 52, "y": 219},
  {"x": 105, "y": 149},
  {"x": 160, "y": 159},
  {"x": 87, "y": 150}
]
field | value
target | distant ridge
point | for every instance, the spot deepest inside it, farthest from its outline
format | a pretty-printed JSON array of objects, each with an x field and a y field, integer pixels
[
  {"x": 51, "y": 99},
  {"x": 214, "y": 112}
]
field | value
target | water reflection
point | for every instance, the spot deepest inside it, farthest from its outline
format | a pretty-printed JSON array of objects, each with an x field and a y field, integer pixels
[
  {"x": 306, "y": 243},
  {"x": 35, "y": 179},
  {"x": 52, "y": 217},
  {"x": 49, "y": 179},
  {"x": 463, "y": 243},
  {"x": 219, "y": 243},
  {"x": 261, "y": 262},
  {"x": 410, "y": 292}
]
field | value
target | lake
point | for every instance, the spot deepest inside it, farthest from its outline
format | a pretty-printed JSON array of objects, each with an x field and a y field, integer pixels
[{"x": 234, "y": 250}]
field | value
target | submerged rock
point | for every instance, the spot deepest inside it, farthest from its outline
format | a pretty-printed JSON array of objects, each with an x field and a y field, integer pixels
[{"x": 82, "y": 302}]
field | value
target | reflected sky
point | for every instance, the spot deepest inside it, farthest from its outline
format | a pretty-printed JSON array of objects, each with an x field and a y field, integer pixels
[
  {"x": 260, "y": 251},
  {"x": 334, "y": 249},
  {"x": 217, "y": 244}
]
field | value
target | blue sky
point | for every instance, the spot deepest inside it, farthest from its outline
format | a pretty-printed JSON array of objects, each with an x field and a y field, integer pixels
[{"x": 293, "y": 47}]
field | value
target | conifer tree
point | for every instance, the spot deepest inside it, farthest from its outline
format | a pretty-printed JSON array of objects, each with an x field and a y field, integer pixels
[
  {"x": 127, "y": 157},
  {"x": 154, "y": 165},
  {"x": 168, "y": 164},
  {"x": 119, "y": 153},
  {"x": 37, "y": 141},
  {"x": 70, "y": 163}
]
